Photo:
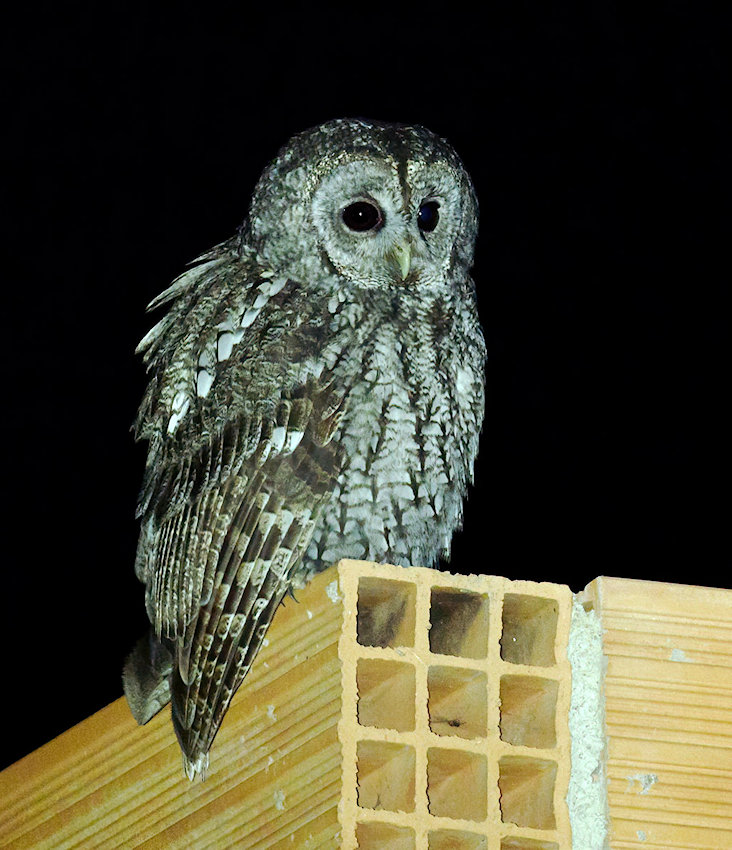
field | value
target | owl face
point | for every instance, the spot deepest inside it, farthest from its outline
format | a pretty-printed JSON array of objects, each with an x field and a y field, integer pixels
[
  {"x": 381, "y": 205},
  {"x": 381, "y": 222}
]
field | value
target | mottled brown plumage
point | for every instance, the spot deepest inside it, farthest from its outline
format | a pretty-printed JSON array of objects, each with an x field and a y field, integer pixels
[{"x": 316, "y": 391}]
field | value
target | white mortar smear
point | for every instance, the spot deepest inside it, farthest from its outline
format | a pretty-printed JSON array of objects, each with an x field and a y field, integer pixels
[{"x": 587, "y": 795}]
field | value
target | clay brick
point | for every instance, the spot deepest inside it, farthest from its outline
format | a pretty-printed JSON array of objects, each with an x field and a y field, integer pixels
[
  {"x": 474, "y": 702},
  {"x": 668, "y": 707}
]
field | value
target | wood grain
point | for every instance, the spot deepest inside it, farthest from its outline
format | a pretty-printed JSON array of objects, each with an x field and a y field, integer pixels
[
  {"x": 275, "y": 769},
  {"x": 669, "y": 713}
]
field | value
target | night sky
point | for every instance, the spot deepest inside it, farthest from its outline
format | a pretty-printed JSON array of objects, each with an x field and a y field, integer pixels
[{"x": 596, "y": 141}]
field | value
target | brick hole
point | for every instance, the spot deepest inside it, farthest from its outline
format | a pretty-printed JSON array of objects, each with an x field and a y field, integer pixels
[
  {"x": 459, "y": 622},
  {"x": 457, "y": 784},
  {"x": 384, "y": 836},
  {"x": 385, "y": 612},
  {"x": 457, "y": 702},
  {"x": 386, "y": 694},
  {"x": 527, "y": 791},
  {"x": 528, "y": 711},
  {"x": 529, "y": 630},
  {"x": 456, "y": 839},
  {"x": 385, "y": 776}
]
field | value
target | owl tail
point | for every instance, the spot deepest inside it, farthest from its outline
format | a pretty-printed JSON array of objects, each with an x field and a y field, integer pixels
[
  {"x": 146, "y": 678},
  {"x": 216, "y": 688}
]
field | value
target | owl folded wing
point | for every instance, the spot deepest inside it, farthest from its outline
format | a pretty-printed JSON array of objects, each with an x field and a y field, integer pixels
[{"x": 231, "y": 491}]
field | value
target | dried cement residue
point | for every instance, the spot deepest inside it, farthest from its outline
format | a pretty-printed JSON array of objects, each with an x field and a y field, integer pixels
[
  {"x": 332, "y": 592},
  {"x": 645, "y": 781},
  {"x": 587, "y": 796}
]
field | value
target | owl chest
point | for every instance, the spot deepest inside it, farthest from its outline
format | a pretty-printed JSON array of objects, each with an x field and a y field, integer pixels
[
  {"x": 399, "y": 494},
  {"x": 399, "y": 410}
]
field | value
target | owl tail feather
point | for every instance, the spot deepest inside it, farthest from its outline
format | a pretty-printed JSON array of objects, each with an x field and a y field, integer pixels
[
  {"x": 196, "y": 766},
  {"x": 146, "y": 678}
]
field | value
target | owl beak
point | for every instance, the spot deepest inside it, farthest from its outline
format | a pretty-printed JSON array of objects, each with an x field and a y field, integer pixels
[{"x": 401, "y": 255}]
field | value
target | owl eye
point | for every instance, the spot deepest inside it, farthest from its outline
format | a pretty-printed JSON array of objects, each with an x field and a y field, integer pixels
[
  {"x": 428, "y": 216},
  {"x": 362, "y": 216}
]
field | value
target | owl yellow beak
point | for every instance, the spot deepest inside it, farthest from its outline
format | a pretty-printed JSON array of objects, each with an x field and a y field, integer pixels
[{"x": 401, "y": 254}]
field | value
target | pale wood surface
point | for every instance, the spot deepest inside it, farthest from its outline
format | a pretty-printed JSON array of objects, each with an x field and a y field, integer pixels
[
  {"x": 275, "y": 769},
  {"x": 669, "y": 713}
]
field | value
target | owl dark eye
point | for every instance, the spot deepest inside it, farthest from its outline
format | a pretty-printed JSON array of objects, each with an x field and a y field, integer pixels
[
  {"x": 362, "y": 216},
  {"x": 428, "y": 216}
]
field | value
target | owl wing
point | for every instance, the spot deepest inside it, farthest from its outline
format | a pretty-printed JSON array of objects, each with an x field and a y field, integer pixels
[{"x": 239, "y": 414}]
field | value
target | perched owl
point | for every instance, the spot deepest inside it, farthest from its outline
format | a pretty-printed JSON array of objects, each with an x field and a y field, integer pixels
[{"x": 316, "y": 392}]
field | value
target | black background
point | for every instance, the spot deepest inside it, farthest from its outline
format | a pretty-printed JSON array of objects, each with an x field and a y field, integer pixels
[{"x": 596, "y": 142}]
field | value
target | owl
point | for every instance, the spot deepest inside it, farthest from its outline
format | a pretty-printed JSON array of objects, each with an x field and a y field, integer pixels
[{"x": 316, "y": 392}]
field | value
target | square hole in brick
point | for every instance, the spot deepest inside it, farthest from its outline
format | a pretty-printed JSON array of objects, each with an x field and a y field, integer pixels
[
  {"x": 385, "y": 612},
  {"x": 516, "y": 843},
  {"x": 529, "y": 629},
  {"x": 456, "y": 839},
  {"x": 385, "y": 776},
  {"x": 528, "y": 711},
  {"x": 457, "y": 702},
  {"x": 457, "y": 784},
  {"x": 386, "y": 694},
  {"x": 527, "y": 791},
  {"x": 384, "y": 836},
  {"x": 459, "y": 622}
]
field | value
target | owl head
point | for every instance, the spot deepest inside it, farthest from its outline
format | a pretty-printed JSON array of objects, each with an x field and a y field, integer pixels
[{"x": 380, "y": 205}]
